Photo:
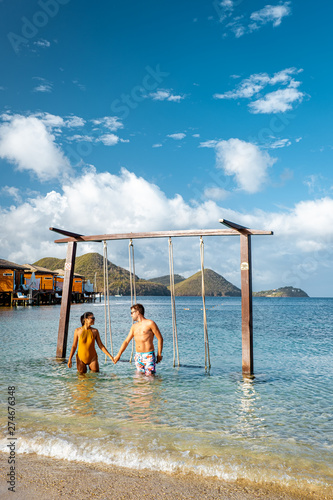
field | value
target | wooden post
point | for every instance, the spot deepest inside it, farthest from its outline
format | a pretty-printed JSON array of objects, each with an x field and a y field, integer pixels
[
  {"x": 247, "y": 319},
  {"x": 66, "y": 300}
]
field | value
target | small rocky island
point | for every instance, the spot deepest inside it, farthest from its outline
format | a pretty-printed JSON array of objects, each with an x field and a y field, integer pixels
[{"x": 286, "y": 291}]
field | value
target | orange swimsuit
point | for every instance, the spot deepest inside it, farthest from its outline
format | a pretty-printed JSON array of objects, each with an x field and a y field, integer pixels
[{"x": 86, "y": 351}]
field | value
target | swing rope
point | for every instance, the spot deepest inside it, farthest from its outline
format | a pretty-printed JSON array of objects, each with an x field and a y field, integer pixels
[
  {"x": 107, "y": 315},
  {"x": 207, "y": 357},
  {"x": 132, "y": 282},
  {"x": 173, "y": 305}
]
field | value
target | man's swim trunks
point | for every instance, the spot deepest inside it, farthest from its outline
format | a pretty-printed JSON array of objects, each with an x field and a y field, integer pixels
[{"x": 145, "y": 362}]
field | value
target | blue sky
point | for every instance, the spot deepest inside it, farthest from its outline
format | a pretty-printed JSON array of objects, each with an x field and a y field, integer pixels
[{"x": 126, "y": 116}]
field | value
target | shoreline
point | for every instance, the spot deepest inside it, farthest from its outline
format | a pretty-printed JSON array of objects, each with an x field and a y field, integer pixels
[{"x": 50, "y": 479}]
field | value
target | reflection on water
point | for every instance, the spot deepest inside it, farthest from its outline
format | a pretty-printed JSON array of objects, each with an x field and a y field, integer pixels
[
  {"x": 81, "y": 394},
  {"x": 250, "y": 417},
  {"x": 143, "y": 399}
]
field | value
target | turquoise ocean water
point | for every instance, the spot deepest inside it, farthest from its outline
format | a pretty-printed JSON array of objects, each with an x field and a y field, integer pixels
[{"x": 276, "y": 428}]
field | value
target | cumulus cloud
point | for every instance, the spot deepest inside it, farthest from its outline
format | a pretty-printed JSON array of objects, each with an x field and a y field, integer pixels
[
  {"x": 302, "y": 234},
  {"x": 29, "y": 145},
  {"x": 43, "y": 87},
  {"x": 74, "y": 121},
  {"x": 12, "y": 192},
  {"x": 165, "y": 95},
  {"x": 177, "y": 137},
  {"x": 109, "y": 139},
  {"x": 30, "y": 142},
  {"x": 245, "y": 161},
  {"x": 278, "y": 101},
  {"x": 112, "y": 123},
  {"x": 131, "y": 202}
]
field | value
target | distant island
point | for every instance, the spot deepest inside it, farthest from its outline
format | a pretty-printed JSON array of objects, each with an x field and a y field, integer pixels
[
  {"x": 165, "y": 280},
  {"x": 286, "y": 291},
  {"x": 90, "y": 266}
]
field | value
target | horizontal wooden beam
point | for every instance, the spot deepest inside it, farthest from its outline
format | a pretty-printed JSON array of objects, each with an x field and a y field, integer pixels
[{"x": 160, "y": 234}]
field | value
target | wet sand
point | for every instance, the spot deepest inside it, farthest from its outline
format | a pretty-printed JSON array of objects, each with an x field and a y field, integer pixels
[{"x": 52, "y": 479}]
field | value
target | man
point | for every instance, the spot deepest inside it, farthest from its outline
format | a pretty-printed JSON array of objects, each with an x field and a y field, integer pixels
[
  {"x": 86, "y": 336},
  {"x": 143, "y": 333}
]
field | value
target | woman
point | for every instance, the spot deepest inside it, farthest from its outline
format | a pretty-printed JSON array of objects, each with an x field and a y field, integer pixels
[{"x": 86, "y": 337}]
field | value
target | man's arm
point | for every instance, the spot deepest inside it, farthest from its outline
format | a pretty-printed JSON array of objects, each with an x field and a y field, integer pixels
[
  {"x": 159, "y": 337},
  {"x": 74, "y": 346},
  {"x": 124, "y": 345},
  {"x": 102, "y": 346}
]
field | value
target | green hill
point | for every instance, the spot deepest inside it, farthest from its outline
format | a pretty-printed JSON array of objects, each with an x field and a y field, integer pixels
[
  {"x": 119, "y": 278},
  {"x": 215, "y": 285},
  {"x": 286, "y": 291},
  {"x": 165, "y": 280}
]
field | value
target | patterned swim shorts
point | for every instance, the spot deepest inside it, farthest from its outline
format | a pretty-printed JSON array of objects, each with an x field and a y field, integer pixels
[{"x": 145, "y": 362}]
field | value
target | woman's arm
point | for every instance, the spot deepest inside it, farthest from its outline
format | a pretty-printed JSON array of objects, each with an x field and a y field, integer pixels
[
  {"x": 74, "y": 346},
  {"x": 101, "y": 345},
  {"x": 124, "y": 345}
]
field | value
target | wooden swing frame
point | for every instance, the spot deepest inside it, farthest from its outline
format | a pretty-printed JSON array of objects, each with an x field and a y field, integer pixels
[{"x": 72, "y": 239}]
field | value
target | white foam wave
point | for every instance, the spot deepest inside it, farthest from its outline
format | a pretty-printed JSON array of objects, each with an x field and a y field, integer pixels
[{"x": 129, "y": 457}]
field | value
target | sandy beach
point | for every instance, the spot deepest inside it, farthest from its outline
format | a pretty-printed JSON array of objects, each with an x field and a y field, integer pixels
[{"x": 51, "y": 479}]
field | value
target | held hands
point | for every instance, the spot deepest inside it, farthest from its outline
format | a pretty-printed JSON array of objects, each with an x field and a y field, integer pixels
[
  {"x": 116, "y": 359},
  {"x": 69, "y": 364},
  {"x": 159, "y": 358}
]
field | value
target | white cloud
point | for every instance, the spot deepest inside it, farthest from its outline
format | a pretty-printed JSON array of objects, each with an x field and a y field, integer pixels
[
  {"x": 74, "y": 121},
  {"x": 277, "y": 101},
  {"x": 80, "y": 138},
  {"x": 298, "y": 254},
  {"x": 271, "y": 13},
  {"x": 79, "y": 85},
  {"x": 177, "y": 137},
  {"x": 241, "y": 25},
  {"x": 227, "y": 4},
  {"x": 245, "y": 161},
  {"x": 28, "y": 144},
  {"x": 157, "y": 145},
  {"x": 109, "y": 139},
  {"x": 42, "y": 43},
  {"x": 165, "y": 95},
  {"x": 49, "y": 120},
  {"x": 110, "y": 122},
  {"x": 13, "y": 192},
  {"x": 208, "y": 144},
  {"x": 279, "y": 143},
  {"x": 44, "y": 87}
]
